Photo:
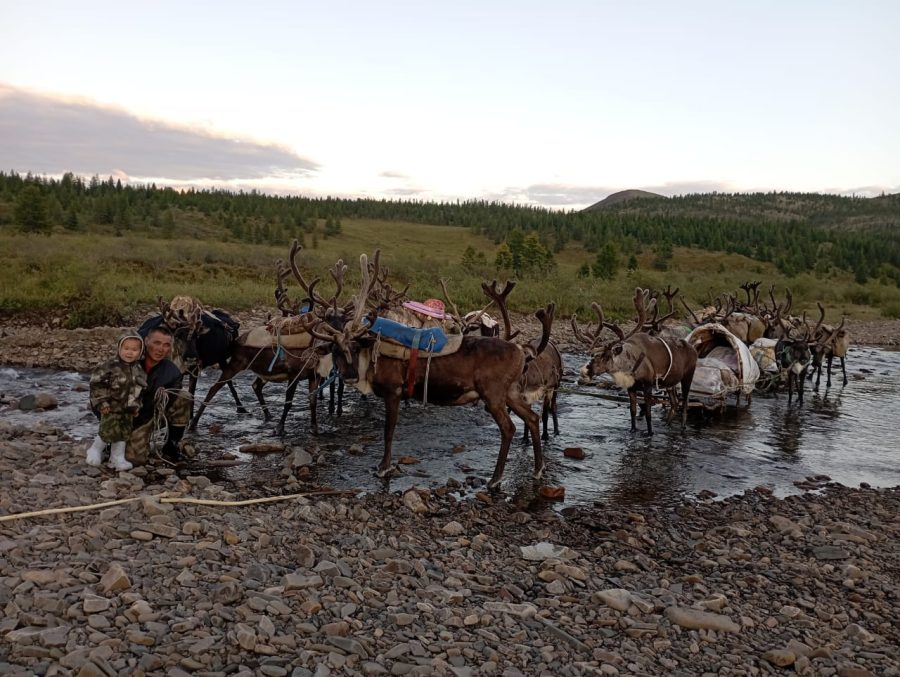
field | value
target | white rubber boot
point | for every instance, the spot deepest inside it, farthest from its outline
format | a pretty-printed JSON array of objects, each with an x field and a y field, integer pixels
[
  {"x": 117, "y": 457},
  {"x": 95, "y": 452}
]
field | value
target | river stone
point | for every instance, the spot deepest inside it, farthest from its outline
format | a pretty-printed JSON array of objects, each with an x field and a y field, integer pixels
[
  {"x": 38, "y": 401},
  {"x": 349, "y": 645},
  {"x": 453, "y": 528},
  {"x": 227, "y": 593},
  {"x": 615, "y": 598},
  {"x": 304, "y": 556},
  {"x": 115, "y": 579},
  {"x": 701, "y": 620},
  {"x": 780, "y": 657},
  {"x": 413, "y": 500},
  {"x": 829, "y": 552},
  {"x": 786, "y": 526}
]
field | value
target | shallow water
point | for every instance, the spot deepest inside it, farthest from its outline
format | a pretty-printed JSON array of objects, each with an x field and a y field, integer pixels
[{"x": 847, "y": 433}]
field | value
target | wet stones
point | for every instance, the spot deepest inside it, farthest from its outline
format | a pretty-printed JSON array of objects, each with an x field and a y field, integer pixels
[{"x": 38, "y": 401}]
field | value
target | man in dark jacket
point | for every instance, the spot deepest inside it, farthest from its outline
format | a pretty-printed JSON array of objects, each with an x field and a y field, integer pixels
[{"x": 164, "y": 394}]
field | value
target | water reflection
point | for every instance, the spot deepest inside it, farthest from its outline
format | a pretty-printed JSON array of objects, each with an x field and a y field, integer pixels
[
  {"x": 787, "y": 432},
  {"x": 844, "y": 432}
]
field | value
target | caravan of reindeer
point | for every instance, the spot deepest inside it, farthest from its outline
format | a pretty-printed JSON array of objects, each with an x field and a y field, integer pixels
[{"x": 382, "y": 343}]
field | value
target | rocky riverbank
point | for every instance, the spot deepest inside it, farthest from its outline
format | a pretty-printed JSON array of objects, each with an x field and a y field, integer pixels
[{"x": 426, "y": 583}]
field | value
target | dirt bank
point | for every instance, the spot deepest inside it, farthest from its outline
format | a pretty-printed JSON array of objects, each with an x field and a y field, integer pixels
[{"x": 424, "y": 584}]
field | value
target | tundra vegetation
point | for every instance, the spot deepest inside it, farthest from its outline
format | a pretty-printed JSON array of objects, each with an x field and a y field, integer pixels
[{"x": 92, "y": 251}]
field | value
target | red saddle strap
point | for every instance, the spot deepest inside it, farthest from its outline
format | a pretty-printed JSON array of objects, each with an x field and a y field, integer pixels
[{"x": 411, "y": 372}]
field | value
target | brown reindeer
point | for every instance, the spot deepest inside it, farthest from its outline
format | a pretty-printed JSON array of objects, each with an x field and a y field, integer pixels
[
  {"x": 638, "y": 361},
  {"x": 262, "y": 352},
  {"x": 543, "y": 374},
  {"x": 486, "y": 369}
]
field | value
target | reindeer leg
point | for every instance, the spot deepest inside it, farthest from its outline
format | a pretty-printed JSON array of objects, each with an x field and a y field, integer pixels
[
  {"x": 844, "y": 370},
  {"x": 532, "y": 423},
  {"x": 830, "y": 360},
  {"x": 801, "y": 377},
  {"x": 288, "y": 402},
  {"x": 330, "y": 399},
  {"x": 216, "y": 387},
  {"x": 632, "y": 406},
  {"x": 507, "y": 430},
  {"x": 192, "y": 388},
  {"x": 545, "y": 416},
  {"x": 553, "y": 411},
  {"x": 237, "y": 399},
  {"x": 685, "y": 395},
  {"x": 340, "y": 396},
  {"x": 313, "y": 396},
  {"x": 257, "y": 386},
  {"x": 391, "y": 414},
  {"x": 790, "y": 385},
  {"x": 648, "y": 398}
]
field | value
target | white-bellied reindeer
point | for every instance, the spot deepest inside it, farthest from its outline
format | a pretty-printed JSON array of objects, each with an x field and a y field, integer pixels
[
  {"x": 831, "y": 342},
  {"x": 638, "y": 361},
  {"x": 543, "y": 374},
  {"x": 482, "y": 368},
  {"x": 279, "y": 353}
]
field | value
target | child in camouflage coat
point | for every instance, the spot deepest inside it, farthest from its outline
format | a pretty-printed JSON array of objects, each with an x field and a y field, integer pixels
[{"x": 116, "y": 389}]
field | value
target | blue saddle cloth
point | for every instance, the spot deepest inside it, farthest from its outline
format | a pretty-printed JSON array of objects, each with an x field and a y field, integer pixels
[{"x": 432, "y": 340}]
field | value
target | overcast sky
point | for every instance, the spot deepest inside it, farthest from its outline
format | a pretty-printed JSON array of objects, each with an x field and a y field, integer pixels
[{"x": 557, "y": 104}]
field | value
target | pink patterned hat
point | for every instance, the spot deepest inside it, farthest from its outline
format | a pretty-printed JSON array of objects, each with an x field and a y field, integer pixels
[{"x": 431, "y": 308}]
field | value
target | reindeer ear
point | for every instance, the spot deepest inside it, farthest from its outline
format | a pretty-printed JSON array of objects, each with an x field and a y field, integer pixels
[{"x": 617, "y": 350}]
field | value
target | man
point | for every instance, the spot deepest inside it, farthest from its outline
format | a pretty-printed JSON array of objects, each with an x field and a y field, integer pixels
[{"x": 162, "y": 375}]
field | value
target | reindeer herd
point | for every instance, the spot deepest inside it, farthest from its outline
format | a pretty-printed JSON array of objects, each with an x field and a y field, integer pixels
[{"x": 379, "y": 342}]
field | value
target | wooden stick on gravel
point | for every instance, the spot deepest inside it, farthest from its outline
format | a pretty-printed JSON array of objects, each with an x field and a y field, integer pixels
[{"x": 174, "y": 499}]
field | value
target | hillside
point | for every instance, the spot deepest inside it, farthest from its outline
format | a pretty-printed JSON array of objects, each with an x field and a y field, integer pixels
[
  {"x": 114, "y": 247},
  {"x": 617, "y": 199}
]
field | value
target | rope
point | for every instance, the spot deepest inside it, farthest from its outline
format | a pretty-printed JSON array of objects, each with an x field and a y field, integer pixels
[
  {"x": 328, "y": 381},
  {"x": 427, "y": 370},
  {"x": 671, "y": 361},
  {"x": 174, "y": 499}
]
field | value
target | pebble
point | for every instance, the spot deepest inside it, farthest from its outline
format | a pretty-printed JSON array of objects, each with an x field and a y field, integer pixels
[{"x": 369, "y": 585}]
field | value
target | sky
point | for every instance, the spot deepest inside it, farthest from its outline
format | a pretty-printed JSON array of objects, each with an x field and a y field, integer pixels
[{"x": 556, "y": 104}]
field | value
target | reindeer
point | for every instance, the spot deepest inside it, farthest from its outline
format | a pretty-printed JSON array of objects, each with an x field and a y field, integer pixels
[
  {"x": 543, "y": 374},
  {"x": 792, "y": 351},
  {"x": 486, "y": 369},
  {"x": 639, "y": 361},
  {"x": 831, "y": 342},
  {"x": 258, "y": 351},
  {"x": 741, "y": 321},
  {"x": 202, "y": 338}
]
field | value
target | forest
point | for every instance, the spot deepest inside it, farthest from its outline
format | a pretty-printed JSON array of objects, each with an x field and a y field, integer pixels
[{"x": 797, "y": 232}]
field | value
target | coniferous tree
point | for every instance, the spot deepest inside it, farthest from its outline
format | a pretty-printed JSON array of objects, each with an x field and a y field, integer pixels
[
  {"x": 606, "y": 264},
  {"x": 31, "y": 211}
]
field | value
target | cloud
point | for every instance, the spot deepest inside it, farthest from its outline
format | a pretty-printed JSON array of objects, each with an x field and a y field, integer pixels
[
  {"x": 393, "y": 175},
  {"x": 47, "y": 135}
]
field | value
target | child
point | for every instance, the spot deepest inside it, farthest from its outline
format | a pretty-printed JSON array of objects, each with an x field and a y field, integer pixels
[{"x": 116, "y": 389}]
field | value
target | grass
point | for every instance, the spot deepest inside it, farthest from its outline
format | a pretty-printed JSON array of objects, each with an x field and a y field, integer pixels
[{"x": 90, "y": 279}]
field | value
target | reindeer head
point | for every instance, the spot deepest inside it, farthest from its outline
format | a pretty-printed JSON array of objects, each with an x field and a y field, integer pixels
[
  {"x": 616, "y": 357},
  {"x": 182, "y": 314},
  {"x": 480, "y": 323},
  {"x": 349, "y": 335}
]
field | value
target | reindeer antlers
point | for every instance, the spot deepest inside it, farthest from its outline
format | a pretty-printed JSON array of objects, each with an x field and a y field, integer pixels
[{"x": 499, "y": 297}]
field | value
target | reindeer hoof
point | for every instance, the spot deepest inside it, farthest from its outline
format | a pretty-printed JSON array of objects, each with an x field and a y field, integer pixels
[
  {"x": 241, "y": 410},
  {"x": 494, "y": 484},
  {"x": 537, "y": 474},
  {"x": 386, "y": 472}
]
